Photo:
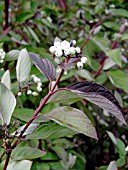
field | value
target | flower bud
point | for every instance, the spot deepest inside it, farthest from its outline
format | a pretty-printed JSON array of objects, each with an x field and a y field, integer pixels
[
  {"x": 29, "y": 92},
  {"x": 67, "y": 52},
  {"x": 34, "y": 93},
  {"x": 58, "y": 53},
  {"x": 72, "y": 50},
  {"x": 80, "y": 65},
  {"x": 39, "y": 88},
  {"x": 1, "y": 61},
  {"x": 19, "y": 94},
  {"x": 56, "y": 43},
  {"x": 84, "y": 59},
  {"x": 77, "y": 49},
  {"x": 52, "y": 49},
  {"x": 65, "y": 44}
]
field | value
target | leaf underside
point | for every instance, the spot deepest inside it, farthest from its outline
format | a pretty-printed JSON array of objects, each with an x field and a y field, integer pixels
[
  {"x": 98, "y": 95},
  {"x": 44, "y": 65}
]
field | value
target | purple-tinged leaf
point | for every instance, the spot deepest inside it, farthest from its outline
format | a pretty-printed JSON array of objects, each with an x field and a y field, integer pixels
[
  {"x": 71, "y": 62},
  {"x": 98, "y": 95},
  {"x": 44, "y": 65}
]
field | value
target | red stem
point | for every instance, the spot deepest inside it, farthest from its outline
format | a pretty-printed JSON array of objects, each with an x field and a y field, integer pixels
[
  {"x": 33, "y": 117},
  {"x": 120, "y": 167},
  {"x": 2, "y": 156},
  {"x": 89, "y": 35},
  {"x": 122, "y": 28},
  {"x": 7, "y": 161}
]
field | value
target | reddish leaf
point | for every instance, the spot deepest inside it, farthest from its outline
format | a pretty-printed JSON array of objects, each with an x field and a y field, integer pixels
[
  {"x": 44, "y": 65},
  {"x": 98, "y": 95}
]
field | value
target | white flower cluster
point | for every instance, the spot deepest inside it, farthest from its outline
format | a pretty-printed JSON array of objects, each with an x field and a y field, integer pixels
[
  {"x": 37, "y": 81},
  {"x": 64, "y": 48},
  {"x": 2, "y": 55}
]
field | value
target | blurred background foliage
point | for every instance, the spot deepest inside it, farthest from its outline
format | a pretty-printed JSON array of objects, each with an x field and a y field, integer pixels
[{"x": 34, "y": 25}]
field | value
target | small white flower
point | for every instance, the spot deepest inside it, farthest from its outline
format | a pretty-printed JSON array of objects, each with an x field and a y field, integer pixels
[
  {"x": 33, "y": 75},
  {"x": 126, "y": 23},
  {"x": 112, "y": 6},
  {"x": 77, "y": 49},
  {"x": 39, "y": 84},
  {"x": 122, "y": 49},
  {"x": 74, "y": 42},
  {"x": 126, "y": 149},
  {"x": 91, "y": 21},
  {"x": 84, "y": 59},
  {"x": 65, "y": 44},
  {"x": 80, "y": 65},
  {"x": 29, "y": 92},
  {"x": 2, "y": 69},
  {"x": 49, "y": 19},
  {"x": 58, "y": 53},
  {"x": 1, "y": 61},
  {"x": 2, "y": 56},
  {"x": 1, "y": 50},
  {"x": 34, "y": 93},
  {"x": 65, "y": 73},
  {"x": 67, "y": 52},
  {"x": 72, "y": 50},
  {"x": 56, "y": 43},
  {"x": 36, "y": 79},
  {"x": 39, "y": 88},
  {"x": 52, "y": 49},
  {"x": 19, "y": 94},
  {"x": 107, "y": 11}
]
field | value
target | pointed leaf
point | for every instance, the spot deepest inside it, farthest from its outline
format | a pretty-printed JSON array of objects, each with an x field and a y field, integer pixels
[
  {"x": 26, "y": 152},
  {"x": 112, "y": 166},
  {"x": 51, "y": 131},
  {"x": 74, "y": 119},
  {"x": 20, "y": 165},
  {"x": 33, "y": 34},
  {"x": 108, "y": 64},
  {"x": 44, "y": 65},
  {"x": 112, "y": 137},
  {"x": 12, "y": 55},
  {"x": 28, "y": 131},
  {"x": 98, "y": 95},
  {"x": 119, "y": 79},
  {"x": 23, "y": 66},
  {"x": 115, "y": 55},
  {"x": 7, "y": 104},
  {"x": 6, "y": 79}
]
